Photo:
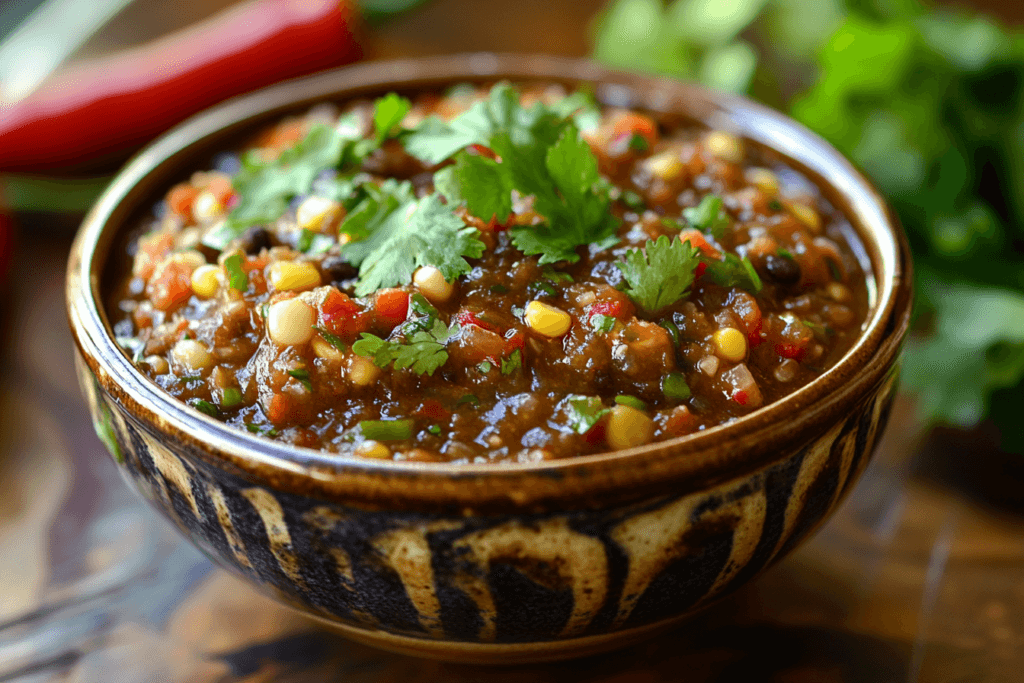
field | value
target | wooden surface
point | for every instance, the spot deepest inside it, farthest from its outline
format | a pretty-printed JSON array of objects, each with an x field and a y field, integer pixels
[{"x": 914, "y": 580}]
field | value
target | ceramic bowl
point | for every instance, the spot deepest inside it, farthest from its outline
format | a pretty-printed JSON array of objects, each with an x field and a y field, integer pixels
[{"x": 496, "y": 563}]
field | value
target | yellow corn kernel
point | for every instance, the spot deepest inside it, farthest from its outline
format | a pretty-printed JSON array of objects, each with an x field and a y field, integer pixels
[
  {"x": 806, "y": 215},
  {"x": 324, "y": 350},
  {"x": 290, "y": 322},
  {"x": 724, "y": 146},
  {"x": 764, "y": 180},
  {"x": 431, "y": 283},
  {"x": 628, "y": 427},
  {"x": 191, "y": 356},
  {"x": 317, "y": 213},
  {"x": 837, "y": 291},
  {"x": 206, "y": 280},
  {"x": 547, "y": 320},
  {"x": 157, "y": 364},
  {"x": 730, "y": 344},
  {"x": 205, "y": 207},
  {"x": 291, "y": 275},
  {"x": 362, "y": 371},
  {"x": 373, "y": 449},
  {"x": 666, "y": 166}
]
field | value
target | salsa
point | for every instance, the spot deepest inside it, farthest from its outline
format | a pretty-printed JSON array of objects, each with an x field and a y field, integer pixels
[{"x": 488, "y": 275}]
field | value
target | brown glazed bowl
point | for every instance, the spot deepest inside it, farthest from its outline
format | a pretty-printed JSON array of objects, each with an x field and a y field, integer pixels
[{"x": 491, "y": 563}]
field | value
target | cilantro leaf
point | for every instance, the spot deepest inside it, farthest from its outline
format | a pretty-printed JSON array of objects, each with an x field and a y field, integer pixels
[
  {"x": 313, "y": 243},
  {"x": 485, "y": 186},
  {"x": 708, "y": 216},
  {"x": 388, "y": 112},
  {"x": 446, "y": 183},
  {"x": 733, "y": 271},
  {"x": 512, "y": 363},
  {"x": 584, "y": 412},
  {"x": 423, "y": 351},
  {"x": 237, "y": 278},
  {"x": 661, "y": 276},
  {"x": 379, "y": 202},
  {"x": 418, "y": 233}
]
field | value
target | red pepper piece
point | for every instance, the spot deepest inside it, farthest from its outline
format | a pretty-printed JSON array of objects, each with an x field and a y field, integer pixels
[
  {"x": 754, "y": 335},
  {"x": 432, "y": 410},
  {"x": 109, "y": 106},
  {"x": 740, "y": 397},
  {"x": 465, "y": 317},
  {"x": 482, "y": 151},
  {"x": 614, "y": 309},
  {"x": 699, "y": 270},
  {"x": 637, "y": 124},
  {"x": 791, "y": 351},
  {"x": 341, "y": 316},
  {"x": 516, "y": 342},
  {"x": 595, "y": 435},
  {"x": 391, "y": 307}
]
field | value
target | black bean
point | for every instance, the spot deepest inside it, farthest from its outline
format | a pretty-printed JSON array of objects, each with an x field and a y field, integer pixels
[
  {"x": 338, "y": 269},
  {"x": 783, "y": 270},
  {"x": 255, "y": 239}
]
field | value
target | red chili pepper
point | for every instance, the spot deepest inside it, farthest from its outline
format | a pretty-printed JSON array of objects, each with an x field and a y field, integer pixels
[
  {"x": 109, "y": 106},
  {"x": 754, "y": 335}
]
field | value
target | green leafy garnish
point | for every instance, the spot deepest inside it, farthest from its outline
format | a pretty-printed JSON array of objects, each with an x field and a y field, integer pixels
[
  {"x": 313, "y": 243},
  {"x": 557, "y": 276},
  {"x": 424, "y": 351},
  {"x": 416, "y": 233},
  {"x": 512, "y": 363},
  {"x": 387, "y": 430},
  {"x": 257, "y": 429},
  {"x": 231, "y": 397},
  {"x": 434, "y": 429},
  {"x": 388, "y": 112},
  {"x": 674, "y": 386},
  {"x": 733, "y": 271},
  {"x": 631, "y": 401},
  {"x": 468, "y": 399},
  {"x": 638, "y": 143},
  {"x": 237, "y": 278},
  {"x": 485, "y": 366},
  {"x": 302, "y": 374},
  {"x": 331, "y": 339},
  {"x": 190, "y": 378},
  {"x": 708, "y": 216},
  {"x": 600, "y": 322},
  {"x": 584, "y": 412},
  {"x": 204, "y": 407},
  {"x": 672, "y": 329},
  {"x": 484, "y": 185},
  {"x": 661, "y": 274},
  {"x": 784, "y": 253}
]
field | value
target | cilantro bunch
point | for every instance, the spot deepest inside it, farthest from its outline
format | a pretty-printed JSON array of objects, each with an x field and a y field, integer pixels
[{"x": 930, "y": 102}]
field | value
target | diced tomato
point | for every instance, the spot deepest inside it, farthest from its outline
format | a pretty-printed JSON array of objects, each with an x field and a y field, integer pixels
[
  {"x": 699, "y": 270},
  {"x": 391, "y": 307},
  {"x": 342, "y": 316},
  {"x": 513, "y": 343},
  {"x": 746, "y": 308},
  {"x": 680, "y": 421},
  {"x": 698, "y": 241},
  {"x": 153, "y": 248},
  {"x": 615, "y": 309},
  {"x": 740, "y": 397},
  {"x": 432, "y": 410},
  {"x": 596, "y": 434},
  {"x": 638, "y": 124},
  {"x": 171, "y": 286},
  {"x": 754, "y": 335},
  {"x": 467, "y": 317},
  {"x": 220, "y": 187},
  {"x": 794, "y": 351},
  {"x": 482, "y": 151},
  {"x": 281, "y": 408},
  {"x": 180, "y": 198}
]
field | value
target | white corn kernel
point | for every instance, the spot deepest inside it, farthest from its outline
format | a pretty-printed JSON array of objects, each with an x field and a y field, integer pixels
[
  {"x": 291, "y": 275},
  {"x": 628, "y": 427},
  {"x": 290, "y": 322},
  {"x": 724, "y": 146},
  {"x": 205, "y": 207},
  {"x": 206, "y": 280},
  {"x": 730, "y": 344},
  {"x": 362, "y": 371},
  {"x": 547, "y": 320},
  {"x": 666, "y": 166},
  {"x": 190, "y": 257},
  {"x": 373, "y": 449},
  {"x": 806, "y": 215},
  {"x": 158, "y": 364},
  {"x": 431, "y": 283},
  {"x": 764, "y": 180},
  {"x": 317, "y": 213},
  {"x": 191, "y": 356}
]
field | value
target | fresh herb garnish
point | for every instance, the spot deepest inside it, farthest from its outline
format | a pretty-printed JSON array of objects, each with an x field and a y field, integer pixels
[
  {"x": 424, "y": 352},
  {"x": 388, "y": 112},
  {"x": 733, "y": 271},
  {"x": 257, "y": 429},
  {"x": 638, "y": 143},
  {"x": 661, "y": 274},
  {"x": 557, "y": 276},
  {"x": 785, "y": 253},
  {"x": 674, "y": 386},
  {"x": 485, "y": 186},
  {"x": 204, "y": 406},
  {"x": 545, "y": 288},
  {"x": 468, "y": 399},
  {"x": 190, "y": 378},
  {"x": 237, "y": 278},
  {"x": 775, "y": 205},
  {"x": 631, "y": 401},
  {"x": 708, "y": 216},
  {"x": 672, "y": 329},
  {"x": 498, "y": 289},
  {"x": 600, "y": 322},
  {"x": 134, "y": 345},
  {"x": 313, "y": 243},
  {"x": 512, "y": 363},
  {"x": 485, "y": 366},
  {"x": 584, "y": 412},
  {"x": 386, "y": 430},
  {"x": 331, "y": 339},
  {"x": 231, "y": 397},
  {"x": 302, "y": 374},
  {"x": 434, "y": 429}
]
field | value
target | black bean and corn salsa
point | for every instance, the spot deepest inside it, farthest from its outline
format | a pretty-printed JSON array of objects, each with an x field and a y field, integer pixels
[{"x": 489, "y": 275}]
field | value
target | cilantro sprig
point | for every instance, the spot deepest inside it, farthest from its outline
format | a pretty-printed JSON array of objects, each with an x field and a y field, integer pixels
[
  {"x": 733, "y": 271},
  {"x": 661, "y": 274},
  {"x": 423, "y": 351},
  {"x": 584, "y": 412},
  {"x": 708, "y": 216}
]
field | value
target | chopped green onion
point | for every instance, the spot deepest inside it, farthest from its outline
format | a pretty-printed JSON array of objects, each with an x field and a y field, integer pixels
[
  {"x": 231, "y": 397},
  {"x": 672, "y": 329},
  {"x": 675, "y": 387},
  {"x": 631, "y": 401},
  {"x": 386, "y": 430},
  {"x": 204, "y": 407},
  {"x": 602, "y": 323},
  {"x": 302, "y": 374},
  {"x": 434, "y": 429},
  {"x": 237, "y": 278},
  {"x": 331, "y": 339},
  {"x": 512, "y": 363}
]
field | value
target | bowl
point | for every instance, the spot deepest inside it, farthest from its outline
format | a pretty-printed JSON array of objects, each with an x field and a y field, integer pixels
[{"x": 486, "y": 563}]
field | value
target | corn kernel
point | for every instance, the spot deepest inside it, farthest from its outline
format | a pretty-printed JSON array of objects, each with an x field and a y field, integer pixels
[
  {"x": 373, "y": 449},
  {"x": 191, "y": 356},
  {"x": 317, "y": 213},
  {"x": 290, "y": 322},
  {"x": 206, "y": 280},
  {"x": 290, "y": 276},
  {"x": 324, "y": 350},
  {"x": 730, "y": 344},
  {"x": 431, "y": 283},
  {"x": 764, "y": 180},
  {"x": 157, "y": 364},
  {"x": 806, "y": 215},
  {"x": 628, "y": 427},
  {"x": 205, "y": 207},
  {"x": 190, "y": 257},
  {"x": 362, "y": 371},
  {"x": 837, "y": 291},
  {"x": 547, "y": 320},
  {"x": 724, "y": 146},
  {"x": 666, "y": 166}
]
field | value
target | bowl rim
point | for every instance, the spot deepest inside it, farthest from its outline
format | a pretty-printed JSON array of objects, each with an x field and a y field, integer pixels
[{"x": 690, "y": 462}]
